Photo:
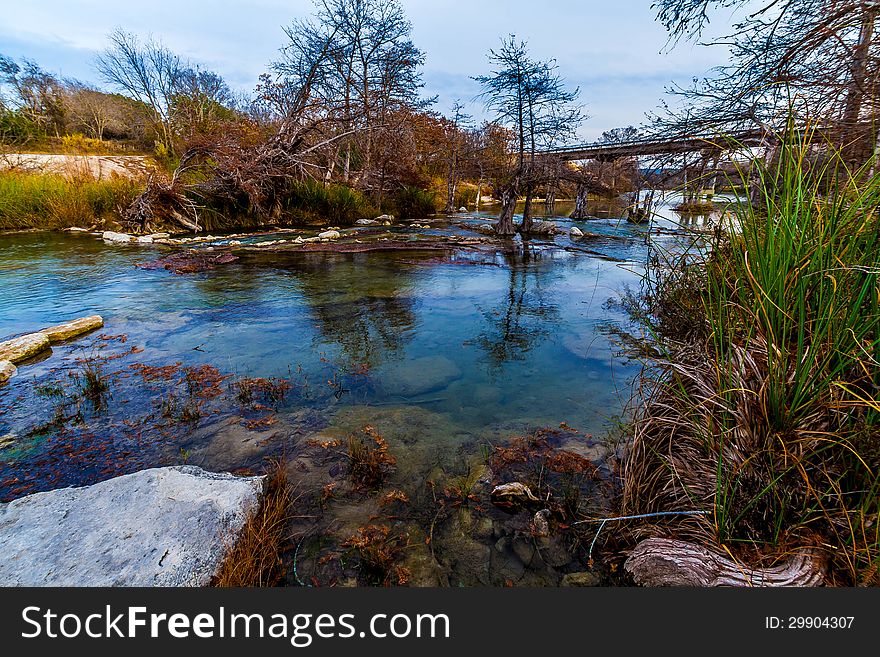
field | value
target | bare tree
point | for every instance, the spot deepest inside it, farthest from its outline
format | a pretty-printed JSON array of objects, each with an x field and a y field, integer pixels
[
  {"x": 455, "y": 144},
  {"x": 93, "y": 111},
  {"x": 530, "y": 97},
  {"x": 36, "y": 94},
  {"x": 200, "y": 103},
  {"x": 371, "y": 72},
  {"x": 147, "y": 72},
  {"x": 818, "y": 59}
]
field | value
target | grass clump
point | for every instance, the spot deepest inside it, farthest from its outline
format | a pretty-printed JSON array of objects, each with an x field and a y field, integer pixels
[
  {"x": 256, "y": 558},
  {"x": 93, "y": 384},
  {"x": 42, "y": 201},
  {"x": 762, "y": 404}
]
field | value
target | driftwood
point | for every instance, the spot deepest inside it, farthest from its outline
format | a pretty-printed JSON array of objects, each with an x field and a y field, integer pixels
[{"x": 666, "y": 562}]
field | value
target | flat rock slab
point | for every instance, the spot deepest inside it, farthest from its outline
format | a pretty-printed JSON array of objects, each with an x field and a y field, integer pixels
[
  {"x": 24, "y": 347},
  {"x": 73, "y": 329},
  {"x": 7, "y": 371},
  {"x": 161, "y": 527},
  {"x": 420, "y": 375}
]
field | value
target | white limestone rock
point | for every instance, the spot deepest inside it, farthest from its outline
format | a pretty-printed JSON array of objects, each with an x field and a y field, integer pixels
[{"x": 160, "y": 527}]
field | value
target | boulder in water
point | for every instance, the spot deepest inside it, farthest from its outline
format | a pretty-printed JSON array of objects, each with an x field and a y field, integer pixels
[
  {"x": 73, "y": 329},
  {"x": 24, "y": 347},
  {"x": 160, "y": 527},
  {"x": 7, "y": 371},
  {"x": 420, "y": 376},
  {"x": 117, "y": 238}
]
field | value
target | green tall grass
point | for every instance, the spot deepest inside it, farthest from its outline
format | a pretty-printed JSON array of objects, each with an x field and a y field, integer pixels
[
  {"x": 765, "y": 410},
  {"x": 312, "y": 202},
  {"x": 415, "y": 203},
  {"x": 48, "y": 201}
]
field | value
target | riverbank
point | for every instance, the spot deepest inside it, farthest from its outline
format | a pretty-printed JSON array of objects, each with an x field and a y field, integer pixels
[{"x": 756, "y": 439}]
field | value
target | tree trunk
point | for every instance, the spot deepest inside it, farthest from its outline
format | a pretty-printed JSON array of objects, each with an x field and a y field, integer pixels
[
  {"x": 505, "y": 225},
  {"x": 855, "y": 140},
  {"x": 666, "y": 562},
  {"x": 479, "y": 193},
  {"x": 580, "y": 204},
  {"x": 450, "y": 188},
  {"x": 526, "y": 226}
]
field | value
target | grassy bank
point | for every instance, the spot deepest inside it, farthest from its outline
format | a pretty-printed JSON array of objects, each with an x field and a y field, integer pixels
[
  {"x": 50, "y": 201},
  {"x": 762, "y": 408},
  {"x": 47, "y": 201}
]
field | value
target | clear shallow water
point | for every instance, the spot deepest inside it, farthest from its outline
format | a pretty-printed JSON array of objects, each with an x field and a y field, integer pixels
[{"x": 474, "y": 347}]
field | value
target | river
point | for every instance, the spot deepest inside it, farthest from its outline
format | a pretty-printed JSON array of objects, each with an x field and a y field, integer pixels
[{"x": 445, "y": 357}]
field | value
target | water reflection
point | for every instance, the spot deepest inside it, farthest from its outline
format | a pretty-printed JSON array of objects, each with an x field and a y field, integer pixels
[
  {"x": 522, "y": 319},
  {"x": 364, "y": 304}
]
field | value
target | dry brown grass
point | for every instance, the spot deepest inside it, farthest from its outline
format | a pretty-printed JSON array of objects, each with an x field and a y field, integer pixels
[{"x": 256, "y": 558}]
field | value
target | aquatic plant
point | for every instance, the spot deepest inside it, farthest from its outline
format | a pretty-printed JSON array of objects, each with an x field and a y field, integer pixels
[
  {"x": 378, "y": 549},
  {"x": 369, "y": 462},
  {"x": 92, "y": 383},
  {"x": 761, "y": 404},
  {"x": 250, "y": 391}
]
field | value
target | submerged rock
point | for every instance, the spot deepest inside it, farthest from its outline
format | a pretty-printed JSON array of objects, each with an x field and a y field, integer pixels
[
  {"x": 581, "y": 579},
  {"x": 7, "y": 371},
  {"x": 24, "y": 347},
  {"x": 116, "y": 238},
  {"x": 420, "y": 376},
  {"x": 544, "y": 228},
  {"x": 541, "y": 523},
  {"x": 515, "y": 493},
  {"x": 160, "y": 527},
  {"x": 73, "y": 329}
]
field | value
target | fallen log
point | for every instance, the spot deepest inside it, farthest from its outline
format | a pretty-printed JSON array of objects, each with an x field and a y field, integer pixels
[{"x": 667, "y": 562}]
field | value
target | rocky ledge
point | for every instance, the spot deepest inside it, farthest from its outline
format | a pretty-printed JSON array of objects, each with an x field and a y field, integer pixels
[
  {"x": 161, "y": 527},
  {"x": 25, "y": 347}
]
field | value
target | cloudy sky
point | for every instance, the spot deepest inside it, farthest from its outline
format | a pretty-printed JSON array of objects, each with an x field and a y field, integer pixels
[{"x": 612, "y": 49}]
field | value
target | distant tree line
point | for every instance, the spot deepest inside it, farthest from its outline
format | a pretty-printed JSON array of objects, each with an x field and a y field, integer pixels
[{"x": 342, "y": 105}]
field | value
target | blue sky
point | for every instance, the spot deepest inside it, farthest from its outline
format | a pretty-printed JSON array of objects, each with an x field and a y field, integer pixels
[{"x": 612, "y": 49}]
